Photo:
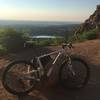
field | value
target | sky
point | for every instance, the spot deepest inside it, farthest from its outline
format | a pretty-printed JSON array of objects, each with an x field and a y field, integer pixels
[{"x": 47, "y": 10}]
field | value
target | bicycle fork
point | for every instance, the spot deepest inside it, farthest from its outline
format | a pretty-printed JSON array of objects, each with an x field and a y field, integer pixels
[{"x": 70, "y": 66}]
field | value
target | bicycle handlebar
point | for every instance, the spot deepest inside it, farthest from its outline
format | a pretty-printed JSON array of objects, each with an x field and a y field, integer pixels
[{"x": 69, "y": 45}]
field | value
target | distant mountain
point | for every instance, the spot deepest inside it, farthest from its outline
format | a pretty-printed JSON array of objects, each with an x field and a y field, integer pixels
[
  {"x": 42, "y": 27},
  {"x": 35, "y": 23}
]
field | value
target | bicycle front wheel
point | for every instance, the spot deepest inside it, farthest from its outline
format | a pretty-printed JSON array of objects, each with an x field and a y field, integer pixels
[
  {"x": 81, "y": 71},
  {"x": 16, "y": 81}
]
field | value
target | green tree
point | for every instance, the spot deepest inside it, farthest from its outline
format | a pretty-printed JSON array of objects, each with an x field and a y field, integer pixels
[{"x": 12, "y": 40}]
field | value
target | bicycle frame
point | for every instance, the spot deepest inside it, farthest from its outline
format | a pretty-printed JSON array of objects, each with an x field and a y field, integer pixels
[
  {"x": 49, "y": 54},
  {"x": 41, "y": 68}
]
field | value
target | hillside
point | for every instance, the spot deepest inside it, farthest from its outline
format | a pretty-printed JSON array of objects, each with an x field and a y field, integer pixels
[
  {"x": 91, "y": 52},
  {"x": 91, "y": 23}
]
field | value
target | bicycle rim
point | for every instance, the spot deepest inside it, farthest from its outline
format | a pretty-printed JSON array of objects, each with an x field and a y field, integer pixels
[
  {"x": 81, "y": 76},
  {"x": 13, "y": 80}
]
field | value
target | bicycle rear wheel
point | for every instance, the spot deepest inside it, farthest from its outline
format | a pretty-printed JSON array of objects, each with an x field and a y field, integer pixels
[
  {"x": 81, "y": 77},
  {"x": 16, "y": 81}
]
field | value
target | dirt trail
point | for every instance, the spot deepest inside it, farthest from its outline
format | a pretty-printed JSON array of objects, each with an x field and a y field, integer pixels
[{"x": 91, "y": 52}]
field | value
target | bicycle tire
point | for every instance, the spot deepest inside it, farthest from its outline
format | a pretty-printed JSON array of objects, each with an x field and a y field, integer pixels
[
  {"x": 6, "y": 86},
  {"x": 86, "y": 79}
]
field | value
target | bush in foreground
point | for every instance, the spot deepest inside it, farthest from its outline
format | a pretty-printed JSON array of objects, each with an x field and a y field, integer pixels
[{"x": 11, "y": 40}]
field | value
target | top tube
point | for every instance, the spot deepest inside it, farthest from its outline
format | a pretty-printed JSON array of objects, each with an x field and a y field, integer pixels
[{"x": 57, "y": 51}]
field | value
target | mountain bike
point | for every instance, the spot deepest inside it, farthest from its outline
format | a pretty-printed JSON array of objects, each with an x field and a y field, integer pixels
[{"x": 71, "y": 71}]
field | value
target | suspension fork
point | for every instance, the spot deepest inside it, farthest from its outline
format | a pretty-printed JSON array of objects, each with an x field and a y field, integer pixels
[{"x": 70, "y": 66}]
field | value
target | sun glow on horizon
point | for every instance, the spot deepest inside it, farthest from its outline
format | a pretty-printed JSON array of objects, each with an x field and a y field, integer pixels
[{"x": 48, "y": 10}]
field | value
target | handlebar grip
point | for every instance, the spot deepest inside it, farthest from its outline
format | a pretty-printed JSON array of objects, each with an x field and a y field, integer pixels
[{"x": 69, "y": 45}]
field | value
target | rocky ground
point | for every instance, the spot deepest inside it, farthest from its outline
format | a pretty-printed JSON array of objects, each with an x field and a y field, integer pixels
[{"x": 91, "y": 52}]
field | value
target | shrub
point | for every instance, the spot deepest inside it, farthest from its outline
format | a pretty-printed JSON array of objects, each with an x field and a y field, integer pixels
[
  {"x": 12, "y": 40},
  {"x": 44, "y": 42},
  {"x": 90, "y": 35},
  {"x": 58, "y": 41},
  {"x": 72, "y": 39},
  {"x": 2, "y": 49}
]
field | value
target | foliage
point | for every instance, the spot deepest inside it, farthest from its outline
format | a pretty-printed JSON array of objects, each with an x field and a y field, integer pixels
[
  {"x": 72, "y": 39},
  {"x": 2, "y": 49},
  {"x": 58, "y": 41},
  {"x": 44, "y": 42},
  {"x": 90, "y": 35},
  {"x": 47, "y": 42},
  {"x": 11, "y": 40}
]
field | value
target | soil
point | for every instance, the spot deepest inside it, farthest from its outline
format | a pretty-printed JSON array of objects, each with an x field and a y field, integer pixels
[{"x": 89, "y": 50}]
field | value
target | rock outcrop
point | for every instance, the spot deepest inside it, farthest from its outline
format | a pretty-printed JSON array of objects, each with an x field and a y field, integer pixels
[{"x": 92, "y": 22}]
